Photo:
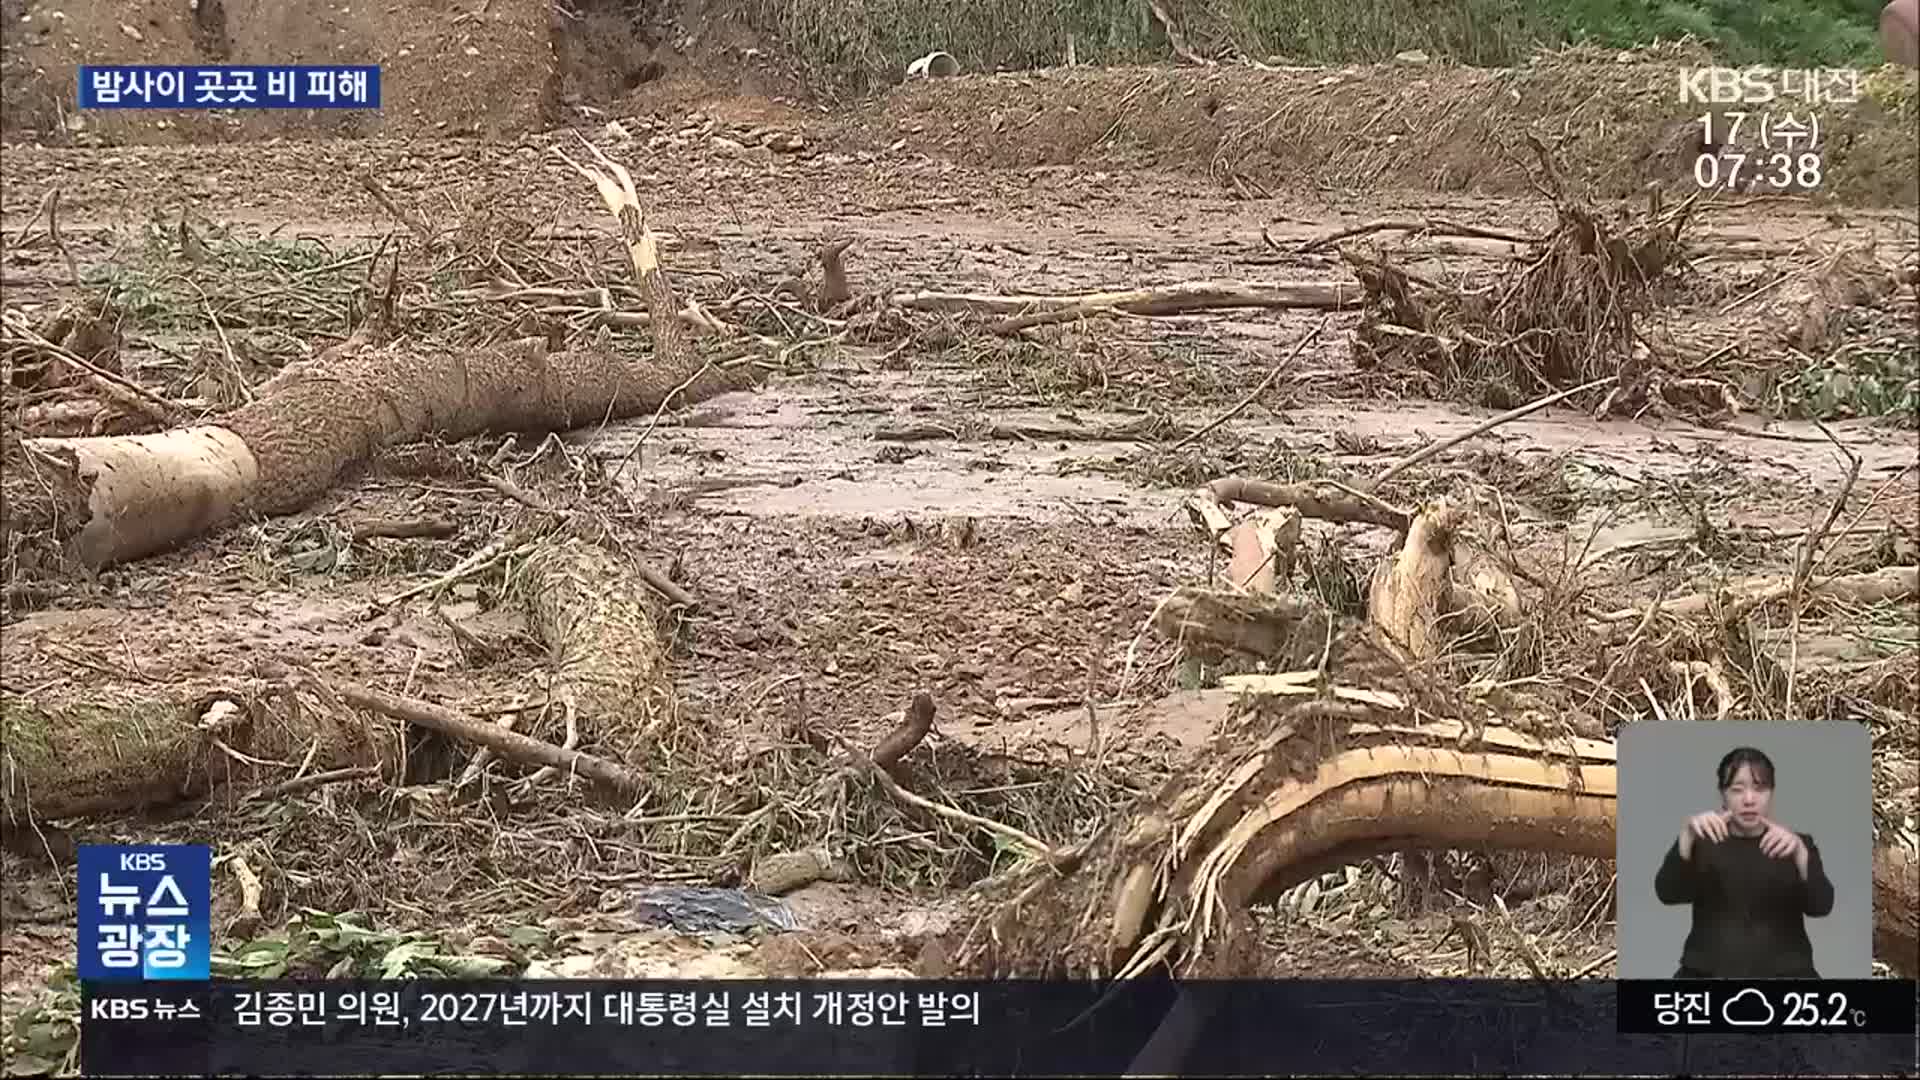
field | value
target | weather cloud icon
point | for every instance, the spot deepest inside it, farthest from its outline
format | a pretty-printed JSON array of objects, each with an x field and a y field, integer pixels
[{"x": 1748, "y": 1008}]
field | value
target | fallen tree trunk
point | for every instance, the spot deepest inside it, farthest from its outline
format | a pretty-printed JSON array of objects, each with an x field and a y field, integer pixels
[
  {"x": 148, "y": 493},
  {"x": 316, "y": 420},
  {"x": 128, "y": 751},
  {"x": 117, "y": 751},
  {"x": 609, "y": 664},
  {"x": 1896, "y": 909},
  {"x": 1319, "y": 785},
  {"x": 1165, "y": 300}
]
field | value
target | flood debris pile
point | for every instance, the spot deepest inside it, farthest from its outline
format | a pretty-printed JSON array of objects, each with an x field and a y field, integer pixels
[
  {"x": 492, "y": 336},
  {"x": 1470, "y": 703},
  {"x": 1564, "y": 313},
  {"x": 1459, "y": 691}
]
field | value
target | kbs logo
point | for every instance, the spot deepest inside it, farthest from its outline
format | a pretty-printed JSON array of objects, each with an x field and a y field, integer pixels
[
  {"x": 1761, "y": 85},
  {"x": 119, "y": 1009}
]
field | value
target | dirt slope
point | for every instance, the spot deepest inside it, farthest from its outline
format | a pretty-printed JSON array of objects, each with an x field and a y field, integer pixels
[
  {"x": 1618, "y": 118},
  {"x": 506, "y": 68}
]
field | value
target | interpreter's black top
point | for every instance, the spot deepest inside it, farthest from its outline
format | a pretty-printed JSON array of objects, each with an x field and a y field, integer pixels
[{"x": 1749, "y": 911}]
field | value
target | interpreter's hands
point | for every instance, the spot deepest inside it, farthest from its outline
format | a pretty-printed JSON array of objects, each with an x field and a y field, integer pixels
[
  {"x": 1780, "y": 842},
  {"x": 1710, "y": 826}
]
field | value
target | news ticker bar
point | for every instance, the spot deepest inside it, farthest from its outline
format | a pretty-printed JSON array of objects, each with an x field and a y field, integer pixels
[{"x": 864, "y": 1027}]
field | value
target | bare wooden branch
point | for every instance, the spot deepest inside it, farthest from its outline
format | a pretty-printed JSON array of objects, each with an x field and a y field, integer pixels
[
  {"x": 1164, "y": 300},
  {"x": 1323, "y": 501},
  {"x": 1428, "y": 227},
  {"x": 506, "y": 744},
  {"x": 901, "y": 740}
]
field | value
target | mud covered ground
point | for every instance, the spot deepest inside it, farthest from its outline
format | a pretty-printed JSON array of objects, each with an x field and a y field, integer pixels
[{"x": 986, "y": 518}]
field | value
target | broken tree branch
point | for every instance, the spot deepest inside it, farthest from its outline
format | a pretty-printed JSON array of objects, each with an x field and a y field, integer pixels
[
  {"x": 506, "y": 744},
  {"x": 415, "y": 224},
  {"x": 436, "y": 528},
  {"x": 1321, "y": 500},
  {"x": 1046, "y": 854},
  {"x": 1254, "y": 395},
  {"x": 902, "y": 739},
  {"x": 1433, "y": 449},
  {"x": 1429, "y": 227},
  {"x": 120, "y": 389},
  {"x": 1165, "y": 300},
  {"x": 314, "y": 780}
]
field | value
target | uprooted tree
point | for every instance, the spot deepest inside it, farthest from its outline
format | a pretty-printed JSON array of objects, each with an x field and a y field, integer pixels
[{"x": 1566, "y": 312}]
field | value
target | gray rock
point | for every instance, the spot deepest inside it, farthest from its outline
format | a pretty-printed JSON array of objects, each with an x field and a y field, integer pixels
[{"x": 693, "y": 909}]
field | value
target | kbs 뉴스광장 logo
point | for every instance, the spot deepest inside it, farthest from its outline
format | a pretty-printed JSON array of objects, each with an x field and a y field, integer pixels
[{"x": 145, "y": 911}]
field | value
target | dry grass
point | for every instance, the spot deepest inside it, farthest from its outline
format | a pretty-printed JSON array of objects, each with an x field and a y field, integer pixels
[
  {"x": 857, "y": 45},
  {"x": 1616, "y": 123}
]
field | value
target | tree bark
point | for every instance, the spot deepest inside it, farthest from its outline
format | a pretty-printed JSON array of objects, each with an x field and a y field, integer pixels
[{"x": 319, "y": 419}]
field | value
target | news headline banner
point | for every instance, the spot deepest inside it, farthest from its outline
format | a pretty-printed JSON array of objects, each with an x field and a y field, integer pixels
[
  {"x": 815, "y": 1027},
  {"x": 225, "y": 86}
]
